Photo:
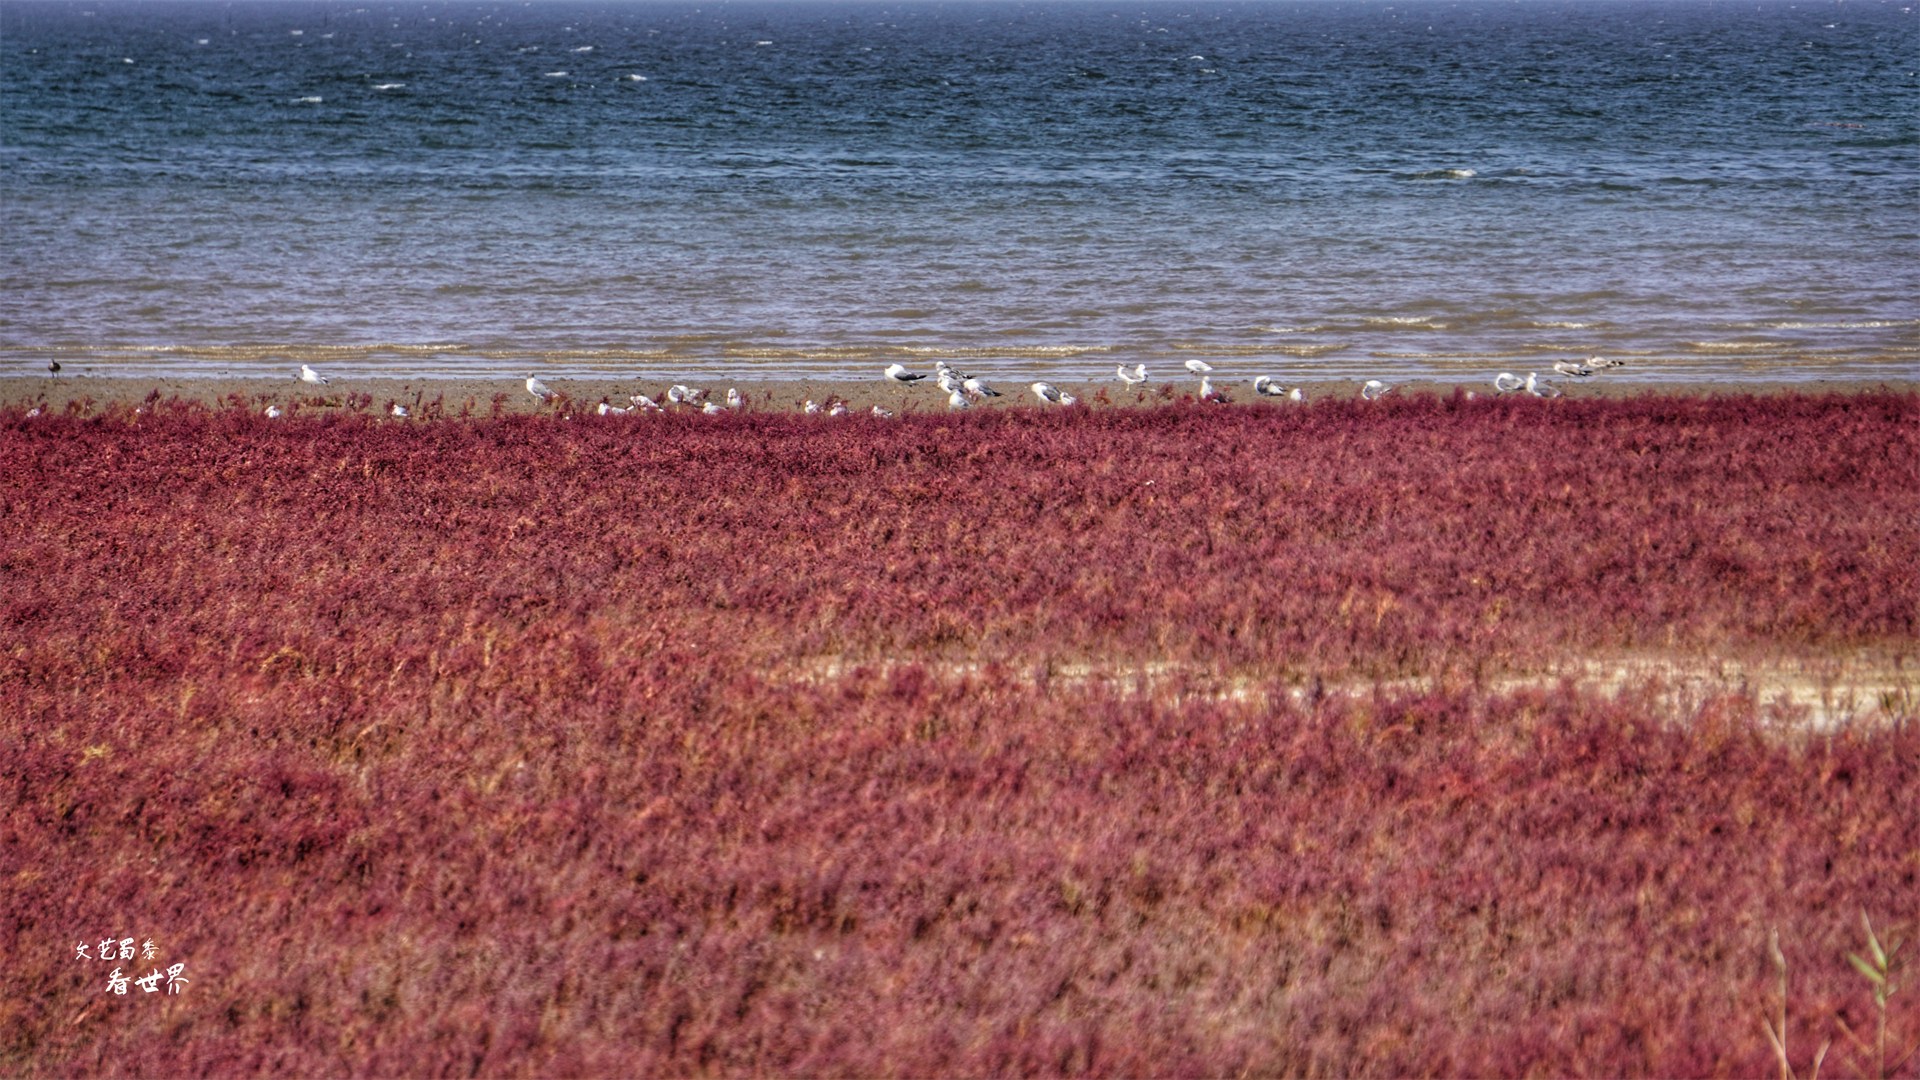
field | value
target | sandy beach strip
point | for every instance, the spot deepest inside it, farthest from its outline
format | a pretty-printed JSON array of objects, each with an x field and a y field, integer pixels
[{"x": 476, "y": 396}]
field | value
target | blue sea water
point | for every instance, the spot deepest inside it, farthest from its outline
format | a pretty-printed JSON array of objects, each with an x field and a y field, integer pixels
[{"x": 1413, "y": 188}]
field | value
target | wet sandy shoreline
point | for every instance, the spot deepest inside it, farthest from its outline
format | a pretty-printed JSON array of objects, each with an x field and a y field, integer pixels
[{"x": 477, "y": 395}]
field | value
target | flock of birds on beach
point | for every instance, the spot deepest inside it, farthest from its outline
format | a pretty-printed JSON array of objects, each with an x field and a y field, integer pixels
[{"x": 964, "y": 390}]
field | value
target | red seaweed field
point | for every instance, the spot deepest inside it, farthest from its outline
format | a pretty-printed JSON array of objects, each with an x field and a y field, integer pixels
[{"x": 1173, "y": 741}]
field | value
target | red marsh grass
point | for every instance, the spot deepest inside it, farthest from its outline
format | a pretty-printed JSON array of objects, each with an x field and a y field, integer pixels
[{"x": 474, "y": 746}]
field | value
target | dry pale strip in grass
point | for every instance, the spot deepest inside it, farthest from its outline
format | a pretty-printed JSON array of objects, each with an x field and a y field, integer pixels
[{"x": 455, "y": 748}]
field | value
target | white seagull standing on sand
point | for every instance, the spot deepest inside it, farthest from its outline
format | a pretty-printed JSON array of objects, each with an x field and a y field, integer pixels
[
  {"x": 1047, "y": 394},
  {"x": 644, "y": 402},
  {"x": 273, "y": 412},
  {"x": 975, "y": 386},
  {"x": 1540, "y": 389},
  {"x": 1138, "y": 376},
  {"x": 734, "y": 399},
  {"x": 1199, "y": 367},
  {"x": 539, "y": 389},
  {"x": 308, "y": 375},
  {"x": 1507, "y": 382},
  {"x": 811, "y": 409},
  {"x": 713, "y": 408},
  {"x": 1372, "y": 389},
  {"x": 958, "y": 400},
  {"x": 898, "y": 373},
  {"x": 612, "y": 410},
  {"x": 400, "y": 411},
  {"x": 1568, "y": 367}
]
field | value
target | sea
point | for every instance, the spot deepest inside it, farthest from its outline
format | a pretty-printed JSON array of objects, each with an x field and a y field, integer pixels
[{"x": 1414, "y": 189}]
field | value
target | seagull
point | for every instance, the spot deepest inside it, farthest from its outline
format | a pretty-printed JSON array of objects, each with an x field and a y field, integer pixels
[
  {"x": 273, "y": 412},
  {"x": 975, "y": 386},
  {"x": 839, "y": 409},
  {"x": 1373, "y": 388},
  {"x": 308, "y": 375},
  {"x": 958, "y": 400},
  {"x": 612, "y": 410},
  {"x": 539, "y": 389},
  {"x": 400, "y": 411},
  {"x": 713, "y": 408},
  {"x": 1599, "y": 363},
  {"x": 948, "y": 381},
  {"x": 812, "y": 409},
  {"x": 1540, "y": 389},
  {"x": 1139, "y": 375},
  {"x": 900, "y": 374},
  {"x": 1047, "y": 394},
  {"x": 1206, "y": 389},
  {"x": 644, "y": 402},
  {"x": 1069, "y": 399},
  {"x": 734, "y": 400},
  {"x": 1578, "y": 371},
  {"x": 1507, "y": 382},
  {"x": 1199, "y": 366},
  {"x": 33, "y": 412},
  {"x": 880, "y": 412},
  {"x": 1268, "y": 388}
]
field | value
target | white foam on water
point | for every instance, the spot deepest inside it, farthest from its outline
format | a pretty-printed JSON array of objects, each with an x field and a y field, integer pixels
[
  {"x": 1738, "y": 346},
  {"x": 1425, "y": 322},
  {"x": 1882, "y": 324}
]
